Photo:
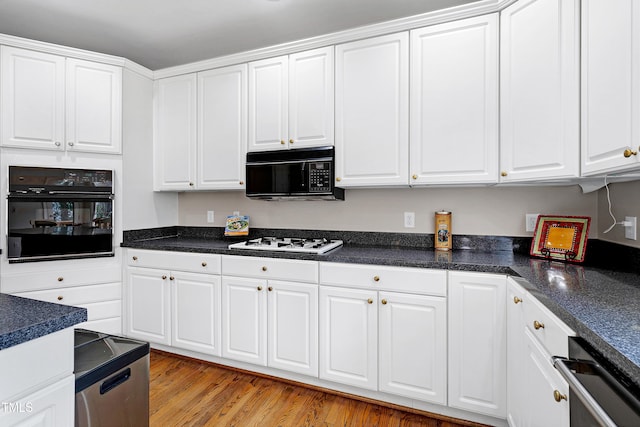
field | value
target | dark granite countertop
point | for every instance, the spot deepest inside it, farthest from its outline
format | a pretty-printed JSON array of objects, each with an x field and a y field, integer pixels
[
  {"x": 596, "y": 299},
  {"x": 24, "y": 319}
]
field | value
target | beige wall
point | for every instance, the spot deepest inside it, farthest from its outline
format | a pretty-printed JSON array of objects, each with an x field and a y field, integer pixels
[
  {"x": 496, "y": 211},
  {"x": 625, "y": 201}
]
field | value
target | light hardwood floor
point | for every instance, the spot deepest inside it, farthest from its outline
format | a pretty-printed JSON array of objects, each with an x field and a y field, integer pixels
[{"x": 188, "y": 392}]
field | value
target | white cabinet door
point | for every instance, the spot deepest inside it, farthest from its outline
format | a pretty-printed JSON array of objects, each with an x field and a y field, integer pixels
[
  {"x": 222, "y": 128},
  {"x": 372, "y": 117},
  {"x": 610, "y": 85},
  {"x": 477, "y": 343},
  {"x": 413, "y": 346},
  {"x": 268, "y": 104},
  {"x": 195, "y": 302},
  {"x": 349, "y": 337},
  {"x": 94, "y": 107},
  {"x": 454, "y": 102},
  {"x": 311, "y": 103},
  {"x": 541, "y": 378},
  {"x": 175, "y": 133},
  {"x": 517, "y": 394},
  {"x": 52, "y": 405},
  {"x": 244, "y": 320},
  {"x": 539, "y": 103},
  {"x": 148, "y": 307},
  {"x": 293, "y": 327},
  {"x": 32, "y": 99}
]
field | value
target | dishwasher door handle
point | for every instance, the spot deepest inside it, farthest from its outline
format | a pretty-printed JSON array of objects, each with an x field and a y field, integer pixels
[
  {"x": 115, "y": 381},
  {"x": 563, "y": 366}
]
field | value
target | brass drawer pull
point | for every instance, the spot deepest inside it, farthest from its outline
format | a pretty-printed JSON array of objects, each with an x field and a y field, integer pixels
[
  {"x": 135, "y": 258},
  {"x": 517, "y": 300},
  {"x": 60, "y": 297},
  {"x": 164, "y": 277},
  {"x": 376, "y": 278},
  {"x": 264, "y": 268},
  {"x": 558, "y": 397},
  {"x": 60, "y": 279},
  {"x": 171, "y": 278},
  {"x": 370, "y": 301},
  {"x": 259, "y": 288},
  {"x": 204, "y": 264},
  {"x": 384, "y": 302},
  {"x": 538, "y": 325},
  {"x": 270, "y": 288}
]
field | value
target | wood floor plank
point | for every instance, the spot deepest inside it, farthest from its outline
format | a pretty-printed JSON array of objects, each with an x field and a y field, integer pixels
[{"x": 189, "y": 392}]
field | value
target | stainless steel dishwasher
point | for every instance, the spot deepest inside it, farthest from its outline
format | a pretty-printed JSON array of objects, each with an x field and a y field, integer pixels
[{"x": 112, "y": 380}]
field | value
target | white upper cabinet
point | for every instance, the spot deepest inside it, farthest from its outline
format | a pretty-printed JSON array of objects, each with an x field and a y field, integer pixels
[
  {"x": 610, "y": 85},
  {"x": 539, "y": 73},
  {"x": 372, "y": 111},
  {"x": 94, "y": 107},
  {"x": 291, "y": 101},
  {"x": 454, "y": 102},
  {"x": 54, "y": 103},
  {"x": 175, "y": 133},
  {"x": 222, "y": 128}
]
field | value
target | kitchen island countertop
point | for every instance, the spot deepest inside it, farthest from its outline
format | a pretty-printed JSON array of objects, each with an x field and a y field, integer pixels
[
  {"x": 24, "y": 319},
  {"x": 601, "y": 305}
]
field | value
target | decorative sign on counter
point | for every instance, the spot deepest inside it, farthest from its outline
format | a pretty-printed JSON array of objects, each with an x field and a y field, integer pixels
[
  {"x": 237, "y": 225},
  {"x": 561, "y": 237}
]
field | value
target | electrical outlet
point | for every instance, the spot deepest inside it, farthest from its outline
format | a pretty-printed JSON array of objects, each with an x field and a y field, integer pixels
[
  {"x": 409, "y": 220},
  {"x": 630, "y": 230},
  {"x": 531, "y": 220},
  {"x": 210, "y": 216},
  {"x": 236, "y": 213}
]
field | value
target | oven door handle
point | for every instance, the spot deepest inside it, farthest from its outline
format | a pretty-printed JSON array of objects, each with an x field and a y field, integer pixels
[{"x": 563, "y": 366}]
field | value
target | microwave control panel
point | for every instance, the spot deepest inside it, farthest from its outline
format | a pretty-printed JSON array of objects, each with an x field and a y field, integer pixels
[{"x": 319, "y": 177}]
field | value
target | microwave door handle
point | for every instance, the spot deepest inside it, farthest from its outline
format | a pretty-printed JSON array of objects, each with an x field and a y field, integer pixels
[{"x": 581, "y": 392}]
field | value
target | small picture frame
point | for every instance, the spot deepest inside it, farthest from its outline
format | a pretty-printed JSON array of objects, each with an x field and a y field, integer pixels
[{"x": 562, "y": 238}]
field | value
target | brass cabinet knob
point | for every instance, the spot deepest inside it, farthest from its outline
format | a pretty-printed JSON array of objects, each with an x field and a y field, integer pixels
[
  {"x": 291, "y": 141},
  {"x": 270, "y": 288},
  {"x": 414, "y": 176},
  {"x": 503, "y": 173},
  {"x": 376, "y": 278},
  {"x": 57, "y": 143},
  {"x": 60, "y": 297},
  {"x": 384, "y": 302},
  {"x": 259, "y": 288},
  {"x": 264, "y": 268},
  {"x": 60, "y": 279},
  {"x": 338, "y": 179},
  {"x": 70, "y": 143},
  {"x": 241, "y": 182},
  {"x": 517, "y": 300},
  {"x": 629, "y": 153},
  {"x": 558, "y": 397},
  {"x": 135, "y": 258},
  {"x": 537, "y": 325},
  {"x": 191, "y": 184},
  {"x": 164, "y": 277},
  {"x": 204, "y": 264},
  {"x": 282, "y": 141},
  {"x": 171, "y": 278},
  {"x": 370, "y": 300}
]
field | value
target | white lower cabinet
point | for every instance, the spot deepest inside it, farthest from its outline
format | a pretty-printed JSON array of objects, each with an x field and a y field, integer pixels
[
  {"x": 376, "y": 339},
  {"x": 177, "y": 308},
  {"x": 538, "y": 395},
  {"x": 477, "y": 342},
  {"x": 267, "y": 318}
]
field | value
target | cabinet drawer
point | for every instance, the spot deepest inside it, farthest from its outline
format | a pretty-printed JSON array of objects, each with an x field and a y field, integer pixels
[
  {"x": 35, "y": 363},
  {"x": 25, "y": 282},
  {"x": 179, "y": 261},
  {"x": 552, "y": 333},
  {"x": 270, "y": 268},
  {"x": 401, "y": 279},
  {"x": 77, "y": 295}
]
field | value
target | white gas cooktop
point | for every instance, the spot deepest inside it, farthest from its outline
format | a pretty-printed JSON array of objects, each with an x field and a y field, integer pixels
[{"x": 288, "y": 244}]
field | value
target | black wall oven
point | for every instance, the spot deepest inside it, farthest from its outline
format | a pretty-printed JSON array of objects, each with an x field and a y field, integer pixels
[{"x": 56, "y": 213}]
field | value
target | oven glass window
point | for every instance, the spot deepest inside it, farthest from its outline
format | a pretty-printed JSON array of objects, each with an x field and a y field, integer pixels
[{"x": 41, "y": 229}]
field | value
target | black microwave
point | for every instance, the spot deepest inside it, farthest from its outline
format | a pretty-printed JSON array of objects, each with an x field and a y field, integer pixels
[{"x": 300, "y": 174}]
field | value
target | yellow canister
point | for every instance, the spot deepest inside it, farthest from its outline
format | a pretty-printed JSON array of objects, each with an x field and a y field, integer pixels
[{"x": 443, "y": 231}]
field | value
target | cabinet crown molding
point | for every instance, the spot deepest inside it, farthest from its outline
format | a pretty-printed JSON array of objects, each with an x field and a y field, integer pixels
[{"x": 469, "y": 10}]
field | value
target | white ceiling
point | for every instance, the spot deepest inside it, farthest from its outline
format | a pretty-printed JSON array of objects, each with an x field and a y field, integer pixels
[{"x": 163, "y": 33}]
